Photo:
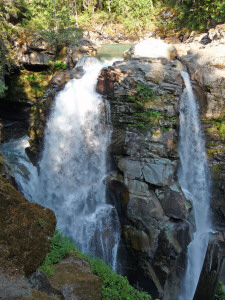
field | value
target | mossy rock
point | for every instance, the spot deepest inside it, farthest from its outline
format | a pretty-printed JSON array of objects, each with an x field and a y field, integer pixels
[
  {"x": 25, "y": 230},
  {"x": 75, "y": 279}
]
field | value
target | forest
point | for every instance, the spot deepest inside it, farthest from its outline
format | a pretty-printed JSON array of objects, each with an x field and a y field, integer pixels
[{"x": 58, "y": 21}]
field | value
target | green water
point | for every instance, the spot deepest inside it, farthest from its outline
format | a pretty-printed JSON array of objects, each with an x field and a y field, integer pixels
[{"x": 111, "y": 51}]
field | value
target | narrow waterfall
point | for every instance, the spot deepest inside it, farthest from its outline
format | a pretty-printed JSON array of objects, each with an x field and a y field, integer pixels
[
  {"x": 195, "y": 182},
  {"x": 71, "y": 173}
]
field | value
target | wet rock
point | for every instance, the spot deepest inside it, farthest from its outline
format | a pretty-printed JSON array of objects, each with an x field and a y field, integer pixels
[
  {"x": 212, "y": 268},
  {"x": 10, "y": 130},
  {"x": 173, "y": 202},
  {"x": 150, "y": 204},
  {"x": 25, "y": 230}
]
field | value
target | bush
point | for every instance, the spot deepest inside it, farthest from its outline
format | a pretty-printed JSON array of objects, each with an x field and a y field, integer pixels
[
  {"x": 60, "y": 247},
  {"x": 59, "y": 65},
  {"x": 115, "y": 287}
]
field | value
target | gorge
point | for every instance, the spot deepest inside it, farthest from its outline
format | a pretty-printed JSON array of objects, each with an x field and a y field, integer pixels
[{"x": 148, "y": 195}]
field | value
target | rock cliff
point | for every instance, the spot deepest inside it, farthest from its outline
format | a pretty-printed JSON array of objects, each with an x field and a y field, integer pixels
[{"x": 144, "y": 95}]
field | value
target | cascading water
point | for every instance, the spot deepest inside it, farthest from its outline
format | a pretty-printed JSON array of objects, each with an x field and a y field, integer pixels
[
  {"x": 73, "y": 167},
  {"x": 195, "y": 182}
]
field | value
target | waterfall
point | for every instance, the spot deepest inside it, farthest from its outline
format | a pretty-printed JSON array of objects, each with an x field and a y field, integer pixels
[
  {"x": 72, "y": 169},
  {"x": 195, "y": 182}
]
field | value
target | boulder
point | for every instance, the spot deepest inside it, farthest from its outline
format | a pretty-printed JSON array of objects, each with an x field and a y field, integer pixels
[
  {"x": 14, "y": 286},
  {"x": 74, "y": 279},
  {"x": 39, "y": 281},
  {"x": 25, "y": 230},
  {"x": 153, "y": 48}
]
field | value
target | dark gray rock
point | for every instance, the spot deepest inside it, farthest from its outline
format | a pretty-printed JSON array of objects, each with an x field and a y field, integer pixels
[{"x": 40, "y": 282}]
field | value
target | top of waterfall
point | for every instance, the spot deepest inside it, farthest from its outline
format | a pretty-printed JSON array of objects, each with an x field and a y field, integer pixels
[{"x": 87, "y": 61}]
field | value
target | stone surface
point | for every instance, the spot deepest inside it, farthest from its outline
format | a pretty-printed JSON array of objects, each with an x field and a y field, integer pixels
[
  {"x": 74, "y": 278},
  {"x": 153, "y": 48},
  {"x": 39, "y": 281},
  {"x": 143, "y": 184},
  {"x": 14, "y": 286},
  {"x": 25, "y": 230},
  {"x": 213, "y": 265}
]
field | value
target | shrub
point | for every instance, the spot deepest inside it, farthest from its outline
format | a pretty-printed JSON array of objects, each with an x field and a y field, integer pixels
[
  {"x": 59, "y": 65},
  {"x": 115, "y": 287},
  {"x": 60, "y": 247}
]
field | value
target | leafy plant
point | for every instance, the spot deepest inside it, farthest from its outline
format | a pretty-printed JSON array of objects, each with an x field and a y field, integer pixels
[
  {"x": 59, "y": 65},
  {"x": 115, "y": 287},
  {"x": 60, "y": 247},
  {"x": 220, "y": 293},
  {"x": 3, "y": 89}
]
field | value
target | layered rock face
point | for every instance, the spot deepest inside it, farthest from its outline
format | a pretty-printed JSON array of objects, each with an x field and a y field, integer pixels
[{"x": 143, "y": 95}]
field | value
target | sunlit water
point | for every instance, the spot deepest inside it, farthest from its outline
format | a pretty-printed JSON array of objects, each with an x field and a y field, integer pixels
[
  {"x": 194, "y": 179},
  {"x": 70, "y": 180}
]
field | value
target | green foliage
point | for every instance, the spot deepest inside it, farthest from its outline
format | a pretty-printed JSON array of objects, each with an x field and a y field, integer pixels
[
  {"x": 3, "y": 89},
  {"x": 142, "y": 94},
  {"x": 198, "y": 14},
  {"x": 59, "y": 65},
  {"x": 60, "y": 247},
  {"x": 220, "y": 293},
  {"x": 115, "y": 287}
]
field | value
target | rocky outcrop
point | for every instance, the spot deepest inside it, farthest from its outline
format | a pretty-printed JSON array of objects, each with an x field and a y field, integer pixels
[
  {"x": 37, "y": 54},
  {"x": 73, "y": 279},
  {"x": 144, "y": 94},
  {"x": 25, "y": 230},
  {"x": 152, "y": 47}
]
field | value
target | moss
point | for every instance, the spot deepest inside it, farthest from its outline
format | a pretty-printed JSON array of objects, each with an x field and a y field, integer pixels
[
  {"x": 218, "y": 170},
  {"x": 36, "y": 295},
  {"x": 22, "y": 239},
  {"x": 221, "y": 129},
  {"x": 217, "y": 127}
]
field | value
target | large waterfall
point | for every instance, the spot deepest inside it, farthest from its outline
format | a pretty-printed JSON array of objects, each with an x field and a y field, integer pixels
[
  {"x": 71, "y": 173},
  {"x": 194, "y": 179}
]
